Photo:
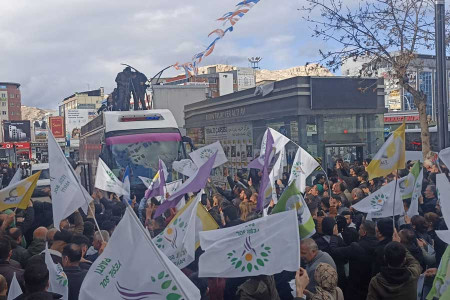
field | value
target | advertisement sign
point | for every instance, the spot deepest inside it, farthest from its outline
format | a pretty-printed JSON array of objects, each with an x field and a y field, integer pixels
[
  {"x": 40, "y": 131},
  {"x": 57, "y": 126},
  {"x": 16, "y": 131},
  {"x": 76, "y": 118},
  {"x": 245, "y": 78}
]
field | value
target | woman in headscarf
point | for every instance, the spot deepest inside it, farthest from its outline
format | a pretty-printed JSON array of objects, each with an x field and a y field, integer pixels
[{"x": 326, "y": 279}]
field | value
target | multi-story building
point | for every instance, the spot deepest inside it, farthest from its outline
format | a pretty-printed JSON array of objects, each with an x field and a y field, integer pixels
[
  {"x": 82, "y": 100},
  {"x": 421, "y": 74},
  {"x": 10, "y": 101}
]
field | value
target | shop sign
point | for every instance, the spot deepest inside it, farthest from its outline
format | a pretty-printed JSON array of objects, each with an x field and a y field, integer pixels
[
  {"x": 399, "y": 119},
  {"x": 226, "y": 114}
]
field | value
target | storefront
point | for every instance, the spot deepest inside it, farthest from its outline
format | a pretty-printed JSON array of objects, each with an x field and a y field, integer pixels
[
  {"x": 333, "y": 117},
  {"x": 15, "y": 152}
]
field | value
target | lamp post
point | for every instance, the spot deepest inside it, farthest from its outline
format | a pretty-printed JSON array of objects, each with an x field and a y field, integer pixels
[{"x": 441, "y": 67}]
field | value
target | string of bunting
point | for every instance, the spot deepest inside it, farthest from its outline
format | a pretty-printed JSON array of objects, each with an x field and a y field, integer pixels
[{"x": 229, "y": 19}]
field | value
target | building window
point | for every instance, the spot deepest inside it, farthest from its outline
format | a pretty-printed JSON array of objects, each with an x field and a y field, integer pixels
[
  {"x": 11, "y": 104},
  {"x": 3, "y": 103},
  {"x": 3, "y": 95},
  {"x": 426, "y": 86},
  {"x": 11, "y": 95},
  {"x": 212, "y": 80},
  {"x": 3, "y": 112}
]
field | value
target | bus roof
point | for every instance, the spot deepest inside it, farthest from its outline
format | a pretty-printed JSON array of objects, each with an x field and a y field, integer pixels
[{"x": 126, "y": 120}]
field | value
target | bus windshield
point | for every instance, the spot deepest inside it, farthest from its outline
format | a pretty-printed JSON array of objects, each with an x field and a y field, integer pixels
[{"x": 141, "y": 153}]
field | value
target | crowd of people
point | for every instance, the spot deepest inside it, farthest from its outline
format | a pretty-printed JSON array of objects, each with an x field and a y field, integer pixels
[{"x": 349, "y": 256}]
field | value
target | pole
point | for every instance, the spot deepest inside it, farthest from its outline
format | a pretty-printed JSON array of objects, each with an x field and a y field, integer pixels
[
  {"x": 395, "y": 193},
  {"x": 441, "y": 67}
]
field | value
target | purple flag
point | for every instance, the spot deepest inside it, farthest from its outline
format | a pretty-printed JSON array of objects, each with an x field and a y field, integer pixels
[
  {"x": 193, "y": 184},
  {"x": 154, "y": 189},
  {"x": 265, "y": 177}
]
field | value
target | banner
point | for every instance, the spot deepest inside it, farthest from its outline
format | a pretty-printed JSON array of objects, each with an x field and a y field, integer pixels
[
  {"x": 304, "y": 164},
  {"x": 57, "y": 127},
  {"x": 185, "y": 166},
  {"x": 265, "y": 246},
  {"x": 107, "y": 181}
]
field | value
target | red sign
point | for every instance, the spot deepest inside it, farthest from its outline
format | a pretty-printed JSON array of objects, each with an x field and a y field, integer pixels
[
  {"x": 18, "y": 146},
  {"x": 399, "y": 119},
  {"x": 57, "y": 126}
]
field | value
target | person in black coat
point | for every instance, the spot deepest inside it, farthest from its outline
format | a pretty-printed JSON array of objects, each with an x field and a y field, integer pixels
[
  {"x": 384, "y": 232},
  {"x": 71, "y": 257},
  {"x": 36, "y": 283},
  {"x": 360, "y": 255},
  {"x": 331, "y": 236}
]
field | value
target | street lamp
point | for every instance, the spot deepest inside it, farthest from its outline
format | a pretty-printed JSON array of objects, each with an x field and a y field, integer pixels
[{"x": 441, "y": 67}]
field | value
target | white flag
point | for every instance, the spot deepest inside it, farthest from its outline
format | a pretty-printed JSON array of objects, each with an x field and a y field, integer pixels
[
  {"x": 68, "y": 194},
  {"x": 279, "y": 141},
  {"x": 14, "y": 290},
  {"x": 380, "y": 204},
  {"x": 417, "y": 192},
  {"x": 17, "y": 177},
  {"x": 277, "y": 173},
  {"x": 443, "y": 188},
  {"x": 266, "y": 246},
  {"x": 147, "y": 181},
  {"x": 444, "y": 156},
  {"x": 177, "y": 241},
  {"x": 58, "y": 282},
  {"x": 107, "y": 181},
  {"x": 185, "y": 166},
  {"x": 200, "y": 156},
  {"x": 304, "y": 164},
  {"x": 140, "y": 272}
]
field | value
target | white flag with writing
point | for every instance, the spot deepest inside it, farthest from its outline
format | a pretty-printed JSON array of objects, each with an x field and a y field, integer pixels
[
  {"x": 107, "y": 181},
  {"x": 14, "y": 290},
  {"x": 57, "y": 280},
  {"x": 185, "y": 166},
  {"x": 68, "y": 194},
  {"x": 142, "y": 272},
  {"x": 200, "y": 156},
  {"x": 265, "y": 246},
  {"x": 417, "y": 192},
  {"x": 304, "y": 164}
]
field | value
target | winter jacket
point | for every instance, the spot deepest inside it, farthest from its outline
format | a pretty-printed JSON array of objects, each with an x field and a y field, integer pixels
[
  {"x": 41, "y": 295},
  {"x": 7, "y": 270},
  {"x": 36, "y": 247},
  {"x": 75, "y": 277},
  {"x": 258, "y": 288},
  {"x": 396, "y": 283},
  {"x": 21, "y": 255},
  {"x": 324, "y": 243},
  {"x": 360, "y": 255},
  {"x": 379, "y": 261}
]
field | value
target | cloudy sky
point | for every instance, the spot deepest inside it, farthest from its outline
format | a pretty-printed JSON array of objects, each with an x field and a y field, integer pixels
[{"x": 55, "y": 48}]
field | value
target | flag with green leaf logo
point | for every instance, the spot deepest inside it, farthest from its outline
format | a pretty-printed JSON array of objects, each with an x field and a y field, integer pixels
[
  {"x": 406, "y": 184},
  {"x": 441, "y": 283},
  {"x": 265, "y": 246},
  {"x": 293, "y": 199}
]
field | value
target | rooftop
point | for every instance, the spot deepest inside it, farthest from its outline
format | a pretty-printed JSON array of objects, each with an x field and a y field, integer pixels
[
  {"x": 10, "y": 83},
  {"x": 93, "y": 93}
]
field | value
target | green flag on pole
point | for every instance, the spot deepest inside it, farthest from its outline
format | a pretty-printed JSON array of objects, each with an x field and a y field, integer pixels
[{"x": 293, "y": 199}]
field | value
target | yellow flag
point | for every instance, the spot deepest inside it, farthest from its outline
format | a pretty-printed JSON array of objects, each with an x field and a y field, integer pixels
[
  {"x": 204, "y": 222},
  {"x": 391, "y": 156},
  {"x": 19, "y": 194}
]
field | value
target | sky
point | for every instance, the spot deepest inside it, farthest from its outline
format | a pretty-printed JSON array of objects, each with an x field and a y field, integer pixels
[{"x": 55, "y": 48}]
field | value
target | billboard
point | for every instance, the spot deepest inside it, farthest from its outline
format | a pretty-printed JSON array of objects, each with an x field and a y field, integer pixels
[
  {"x": 245, "y": 78},
  {"x": 57, "y": 126},
  {"x": 76, "y": 118},
  {"x": 40, "y": 131},
  {"x": 16, "y": 131}
]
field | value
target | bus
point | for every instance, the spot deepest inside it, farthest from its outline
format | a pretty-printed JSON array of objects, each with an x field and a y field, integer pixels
[{"x": 134, "y": 139}]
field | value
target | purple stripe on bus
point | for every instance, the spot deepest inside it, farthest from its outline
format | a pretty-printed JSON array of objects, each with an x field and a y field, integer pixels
[{"x": 144, "y": 137}]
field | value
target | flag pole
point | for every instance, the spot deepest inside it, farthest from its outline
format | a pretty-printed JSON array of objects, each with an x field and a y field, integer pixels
[
  {"x": 395, "y": 193},
  {"x": 323, "y": 170}
]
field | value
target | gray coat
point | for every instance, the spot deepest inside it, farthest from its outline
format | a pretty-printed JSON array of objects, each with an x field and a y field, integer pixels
[{"x": 321, "y": 257}]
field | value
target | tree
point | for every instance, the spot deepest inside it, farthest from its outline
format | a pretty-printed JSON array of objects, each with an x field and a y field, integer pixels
[{"x": 386, "y": 34}]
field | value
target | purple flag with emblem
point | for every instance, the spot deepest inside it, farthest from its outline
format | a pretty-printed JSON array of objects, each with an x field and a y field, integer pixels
[
  {"x": 265, "y": 181},
  {"x": 193, "y": 184},
  {"x": 158, "y": 183}
]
